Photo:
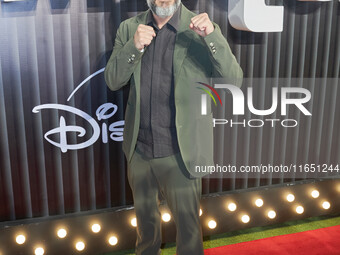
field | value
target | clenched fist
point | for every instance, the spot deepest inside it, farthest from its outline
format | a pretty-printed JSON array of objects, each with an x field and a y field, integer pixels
[
  {"x": 202, "y": 25},
  {"x": 143, "y": 36}
]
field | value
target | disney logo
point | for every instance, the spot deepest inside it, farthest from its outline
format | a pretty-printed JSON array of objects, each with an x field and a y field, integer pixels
[{"x": 103, "y": 112}]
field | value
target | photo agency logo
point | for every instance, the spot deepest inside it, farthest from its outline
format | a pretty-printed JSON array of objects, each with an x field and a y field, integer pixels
[
  {"x": 104, "y": 112},
  {"x": 301, "y": 97},
  {"x": 204, "y": 97}
]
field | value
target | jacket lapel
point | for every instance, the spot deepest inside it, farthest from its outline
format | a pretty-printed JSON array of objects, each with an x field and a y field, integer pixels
[
  {"x": 182, "y": 42},
  {"x": 141, "y": 19}
]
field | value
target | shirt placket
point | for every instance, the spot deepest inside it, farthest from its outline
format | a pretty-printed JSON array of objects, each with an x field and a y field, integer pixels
[{"x": 155, "y": 93}]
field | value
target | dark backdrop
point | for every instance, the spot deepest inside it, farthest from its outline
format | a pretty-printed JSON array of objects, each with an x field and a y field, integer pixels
[{"x": 47, "y": 49}]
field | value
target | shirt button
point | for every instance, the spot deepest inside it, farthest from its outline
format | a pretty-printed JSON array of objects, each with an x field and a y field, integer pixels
[{"x": 211, "y": 44}]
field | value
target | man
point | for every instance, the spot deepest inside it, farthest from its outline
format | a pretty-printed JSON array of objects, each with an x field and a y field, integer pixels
[{"x": 163, "y": 53}]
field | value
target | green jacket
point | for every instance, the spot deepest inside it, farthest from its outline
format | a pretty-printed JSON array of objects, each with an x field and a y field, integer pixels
[{"x": 196, "y": 59}]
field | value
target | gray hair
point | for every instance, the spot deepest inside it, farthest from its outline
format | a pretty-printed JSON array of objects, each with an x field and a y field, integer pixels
[{"x": 163, "y": 12}]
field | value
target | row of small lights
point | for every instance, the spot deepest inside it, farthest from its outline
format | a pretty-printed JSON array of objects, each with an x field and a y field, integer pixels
[
  {"x": 271, "y": 214},
  {"x": 166, "y": 217},
  {"x": 62, "y": 233}
]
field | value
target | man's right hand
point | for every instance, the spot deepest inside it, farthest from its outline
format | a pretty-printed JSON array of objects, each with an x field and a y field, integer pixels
[{"x": 143, "y": 36}]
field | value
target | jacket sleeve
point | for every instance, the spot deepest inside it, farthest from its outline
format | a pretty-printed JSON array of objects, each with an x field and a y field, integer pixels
[
  {"x": 124, "y": 59},
  {"x": 224, "y": 62}
]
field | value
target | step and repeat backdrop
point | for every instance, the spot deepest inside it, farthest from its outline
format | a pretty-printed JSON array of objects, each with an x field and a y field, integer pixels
[{"x": 61, "y": 128}]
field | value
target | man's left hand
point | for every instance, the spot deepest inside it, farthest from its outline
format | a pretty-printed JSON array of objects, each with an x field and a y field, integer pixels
[{"x": 202, "y": 25}]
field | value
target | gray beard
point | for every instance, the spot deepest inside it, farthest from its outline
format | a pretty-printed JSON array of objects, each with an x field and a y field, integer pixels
[{"x": 163, "y": 12}]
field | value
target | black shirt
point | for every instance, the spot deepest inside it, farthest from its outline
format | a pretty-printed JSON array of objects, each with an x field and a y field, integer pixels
[{"x": 157, "y": 134}]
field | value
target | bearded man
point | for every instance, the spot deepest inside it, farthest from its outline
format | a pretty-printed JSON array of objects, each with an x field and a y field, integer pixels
[{"x": 162, "y": 53}]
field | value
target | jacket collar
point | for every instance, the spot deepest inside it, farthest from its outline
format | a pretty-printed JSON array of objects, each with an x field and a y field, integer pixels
[
  {"x": 173, "y": 22},
  {"x": 184, "y": 18}
]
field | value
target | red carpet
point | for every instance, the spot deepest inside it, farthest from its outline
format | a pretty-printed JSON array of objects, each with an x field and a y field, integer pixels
[{"x": 324, "y": 241}]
